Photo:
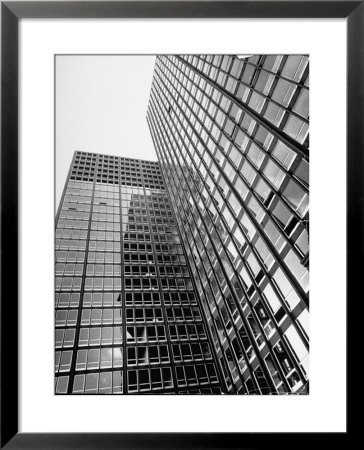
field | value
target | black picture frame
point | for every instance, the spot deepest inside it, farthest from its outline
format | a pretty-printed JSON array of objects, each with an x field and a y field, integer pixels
[{"x": 11, "y": 12}]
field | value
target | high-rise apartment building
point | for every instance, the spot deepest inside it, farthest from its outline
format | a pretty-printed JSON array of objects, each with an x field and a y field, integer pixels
[
  {"x": 231, "y": 135},
  {"x": 127, "y": 316}
]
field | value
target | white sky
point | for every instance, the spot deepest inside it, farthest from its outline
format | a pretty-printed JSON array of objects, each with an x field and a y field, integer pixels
[{"x": 101, "y": 105}]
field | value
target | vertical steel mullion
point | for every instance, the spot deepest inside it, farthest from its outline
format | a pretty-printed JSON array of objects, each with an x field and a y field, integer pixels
[
  {"x": 82, "y": 290},
  {"x": 123, "y": 292}
]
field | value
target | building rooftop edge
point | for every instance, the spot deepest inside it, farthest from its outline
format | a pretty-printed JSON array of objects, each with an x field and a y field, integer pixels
[{"x": 116, "y": 156}]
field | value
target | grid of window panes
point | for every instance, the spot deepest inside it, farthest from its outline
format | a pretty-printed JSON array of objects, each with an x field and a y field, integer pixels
[
  {"x": 238, "y": 181},
  {"x": 127, "y": 317}
]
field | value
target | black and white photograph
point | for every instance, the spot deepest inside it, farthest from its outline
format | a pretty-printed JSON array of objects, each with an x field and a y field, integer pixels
[{"x": 181, "y": 224}]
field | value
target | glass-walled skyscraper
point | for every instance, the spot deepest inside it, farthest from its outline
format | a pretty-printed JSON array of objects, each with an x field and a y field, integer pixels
[
  {"x": 231, "y": 135},
  {"x": 127, "y": 315}
]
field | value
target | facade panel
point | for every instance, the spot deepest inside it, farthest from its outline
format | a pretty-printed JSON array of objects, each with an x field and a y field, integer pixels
[
  {"x": 231, "y": 135},
  {"x": 127, "y": 316}
]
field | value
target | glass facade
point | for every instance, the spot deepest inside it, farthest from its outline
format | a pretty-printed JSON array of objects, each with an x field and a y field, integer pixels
[
  {"x": 127, "y": 315},
  {"x": 231, "y": 135}
]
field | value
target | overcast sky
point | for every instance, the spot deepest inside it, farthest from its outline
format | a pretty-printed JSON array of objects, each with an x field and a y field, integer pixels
[{"x": 101, "y": 105}]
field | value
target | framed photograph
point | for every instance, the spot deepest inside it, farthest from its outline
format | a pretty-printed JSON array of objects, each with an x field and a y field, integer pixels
[{"x": 164, "y": 231}]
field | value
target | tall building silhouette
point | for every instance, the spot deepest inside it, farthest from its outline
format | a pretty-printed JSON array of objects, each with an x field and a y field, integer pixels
[
  {"x": 127, "y": 318},
  {"x": 231, "y": 135}
]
